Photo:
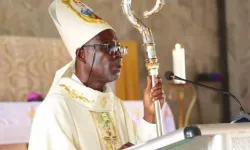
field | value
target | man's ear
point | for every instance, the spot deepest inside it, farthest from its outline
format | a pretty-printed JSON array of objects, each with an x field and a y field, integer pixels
[{"x": 80, "y": 55}]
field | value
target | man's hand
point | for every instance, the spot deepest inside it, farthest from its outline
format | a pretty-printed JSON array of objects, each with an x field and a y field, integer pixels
[
  {"x": 152, "y": 94},
  {"x": 127, "y": 145}
]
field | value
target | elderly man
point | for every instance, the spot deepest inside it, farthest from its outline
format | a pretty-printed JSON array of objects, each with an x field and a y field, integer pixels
[{"x": 81, "y": 112}]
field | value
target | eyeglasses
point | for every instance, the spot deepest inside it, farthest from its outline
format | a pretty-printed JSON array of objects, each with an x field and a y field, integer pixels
[{"x": 112, "y": 49}]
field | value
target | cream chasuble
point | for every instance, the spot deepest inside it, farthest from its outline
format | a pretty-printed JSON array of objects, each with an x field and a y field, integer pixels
[{"x": 75, "y": 117}]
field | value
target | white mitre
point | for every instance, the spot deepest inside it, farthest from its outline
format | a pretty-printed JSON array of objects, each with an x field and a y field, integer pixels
[{"x": 77, "y": 24}]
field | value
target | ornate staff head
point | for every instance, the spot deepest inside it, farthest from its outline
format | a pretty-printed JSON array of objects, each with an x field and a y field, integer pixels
[
  {"x": 158, "y": 6},
  {"x": 152, "y": 64}
]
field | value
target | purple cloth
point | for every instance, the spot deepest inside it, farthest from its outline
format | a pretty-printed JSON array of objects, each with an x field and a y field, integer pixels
[{"x": 34, "y": 96}]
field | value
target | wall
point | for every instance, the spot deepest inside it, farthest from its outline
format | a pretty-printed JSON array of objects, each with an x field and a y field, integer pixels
[
  {"x": 238, "y": 52},
  {"x": 191, "y": 23},
  {"x": 29, "y": 64}
]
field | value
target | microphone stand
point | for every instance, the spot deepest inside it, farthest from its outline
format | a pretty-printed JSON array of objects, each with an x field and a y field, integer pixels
[{"x": 243, "y": 117}]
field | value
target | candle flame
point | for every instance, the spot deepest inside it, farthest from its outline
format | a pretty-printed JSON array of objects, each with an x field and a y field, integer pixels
[{"x": 177, "y": 46}]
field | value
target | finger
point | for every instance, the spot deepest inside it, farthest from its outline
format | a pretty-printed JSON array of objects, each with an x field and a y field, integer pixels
[
  {"x": 157, "y": 85},
  {"x": 157, "y": 80},
  {"x": 156, "y": 88},
  {"x": 129, "y": 144},
  {"x": 161, "y": 97},
  {"x": 124, "y": 146},
  {"x": 157, "y": 92}
]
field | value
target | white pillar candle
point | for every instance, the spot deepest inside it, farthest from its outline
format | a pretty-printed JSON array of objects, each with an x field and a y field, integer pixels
[{"x": 179, "y": 63}]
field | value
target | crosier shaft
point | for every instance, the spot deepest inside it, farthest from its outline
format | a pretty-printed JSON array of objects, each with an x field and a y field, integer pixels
[{"x": 151, "y": 61}]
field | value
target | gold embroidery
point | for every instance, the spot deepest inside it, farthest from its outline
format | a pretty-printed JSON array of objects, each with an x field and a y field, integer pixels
[
  {"x": 103, "y": 102},
  {"x": 84, "y": 17},
  {"x": 110, "y": 139},
  {"x": 72, "y": 93},
  {"x": 104, "y": 117},
  {"x": 107, "y": 134}
]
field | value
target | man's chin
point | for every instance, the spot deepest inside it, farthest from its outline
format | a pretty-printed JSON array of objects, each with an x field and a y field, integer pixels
[{"x": 115, "y": 77}]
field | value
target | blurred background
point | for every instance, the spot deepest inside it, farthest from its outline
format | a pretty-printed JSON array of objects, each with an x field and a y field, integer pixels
[{"x": 214, "y": 33}]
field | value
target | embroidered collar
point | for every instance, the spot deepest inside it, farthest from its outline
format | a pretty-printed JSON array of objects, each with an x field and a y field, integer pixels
[{"x": 94, "y": 100}]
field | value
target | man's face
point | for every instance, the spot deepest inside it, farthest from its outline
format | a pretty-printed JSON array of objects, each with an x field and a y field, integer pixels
[{"x": 107, "y": 67}]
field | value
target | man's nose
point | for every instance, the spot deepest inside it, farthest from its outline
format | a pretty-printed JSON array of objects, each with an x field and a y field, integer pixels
[{"x": 117, "y": 54}]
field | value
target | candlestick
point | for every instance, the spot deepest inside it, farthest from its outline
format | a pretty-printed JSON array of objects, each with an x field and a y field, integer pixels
[{"x": 179, "y": 63}]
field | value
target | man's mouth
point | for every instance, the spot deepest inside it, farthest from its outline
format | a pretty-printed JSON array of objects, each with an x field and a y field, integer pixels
[{"x": 117, "y": 67}]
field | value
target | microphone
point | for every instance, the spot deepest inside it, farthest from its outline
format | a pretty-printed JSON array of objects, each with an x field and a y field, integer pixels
[{"x": 244, "y": 117}]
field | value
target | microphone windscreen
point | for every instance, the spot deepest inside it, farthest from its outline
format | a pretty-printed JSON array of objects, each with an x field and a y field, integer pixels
[{"x": 169, "y": 75}]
